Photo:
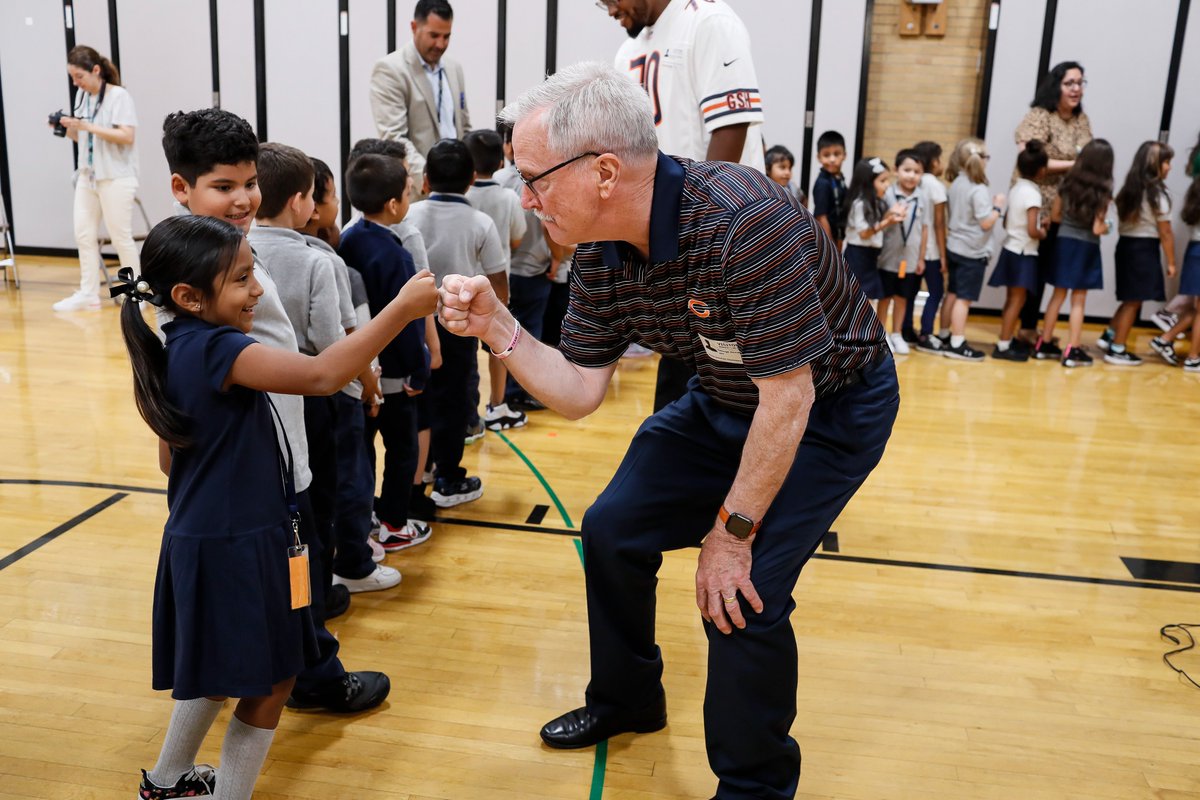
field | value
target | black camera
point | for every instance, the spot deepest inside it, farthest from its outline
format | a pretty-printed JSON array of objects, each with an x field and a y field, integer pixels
[{"x": 56, "y": 120}]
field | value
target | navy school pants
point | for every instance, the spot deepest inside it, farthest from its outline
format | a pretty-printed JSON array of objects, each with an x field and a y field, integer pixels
[
  {"x": 397, "y": 424},
  {"x": 355, "y": 492},
  {"x": 527, "y": 301},
  {"x": 328, "y": 667},
  {"x": 665, "y": 496}
]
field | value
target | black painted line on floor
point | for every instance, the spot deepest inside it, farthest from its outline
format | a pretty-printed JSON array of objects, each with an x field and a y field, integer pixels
[
  {"x": 505, "y": 526},
  {"x": 537, "y": 515},
  {"x": 829, "y": 542},
  {"x": 1152, "y": 569},
  {"x": 50, "y": 536},
  {"x": 82, "y": 485}
]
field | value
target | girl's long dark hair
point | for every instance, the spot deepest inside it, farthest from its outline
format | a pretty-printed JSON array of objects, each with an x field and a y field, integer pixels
[
  {"x": 1087, "y": 188},
  {"x": 862, "y": 187},
  {"x": 192, "y": 250},
  {"x": 1144, "y": 180},
  {"x": 86, "y": 58},
  {"x": 1191, "y": 203},
  {"x": 1049, "y": 91}
]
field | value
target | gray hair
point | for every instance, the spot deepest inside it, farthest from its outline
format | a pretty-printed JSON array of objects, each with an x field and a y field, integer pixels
[{"x": 590, "y": 106}]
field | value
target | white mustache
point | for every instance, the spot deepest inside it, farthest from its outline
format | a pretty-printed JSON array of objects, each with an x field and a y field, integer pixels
[{"x": 542, "y": 217}]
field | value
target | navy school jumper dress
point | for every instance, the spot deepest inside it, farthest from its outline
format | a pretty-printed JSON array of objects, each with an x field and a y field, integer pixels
[{"x": 223, "y": 622}]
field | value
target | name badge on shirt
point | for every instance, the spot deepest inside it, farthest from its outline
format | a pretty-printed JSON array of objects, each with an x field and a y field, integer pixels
[{"x": 727, "y": 352}]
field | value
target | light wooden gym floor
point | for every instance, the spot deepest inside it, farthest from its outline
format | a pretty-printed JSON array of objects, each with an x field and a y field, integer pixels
[{"x": 976, "y": 635}]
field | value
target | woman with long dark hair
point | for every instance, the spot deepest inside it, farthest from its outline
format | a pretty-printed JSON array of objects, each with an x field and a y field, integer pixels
[
  {"x": 1057, "y": 119},
  {"x": 103, "y": 122}
]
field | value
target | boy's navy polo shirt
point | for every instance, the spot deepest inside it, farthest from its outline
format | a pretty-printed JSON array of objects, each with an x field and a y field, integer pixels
[
  {"x": 829, "y": 200},
  {"x": 738, "y": 285}
]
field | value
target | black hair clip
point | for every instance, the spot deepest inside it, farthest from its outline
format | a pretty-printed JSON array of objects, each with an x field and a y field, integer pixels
[{"x": 134, "y": 289}]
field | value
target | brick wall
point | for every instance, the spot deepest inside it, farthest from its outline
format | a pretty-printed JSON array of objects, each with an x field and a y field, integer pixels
[{"x": 923, "y": 88}]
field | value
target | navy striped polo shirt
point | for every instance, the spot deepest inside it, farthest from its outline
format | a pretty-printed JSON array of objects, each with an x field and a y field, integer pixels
[{"x": 741, "y": 283}]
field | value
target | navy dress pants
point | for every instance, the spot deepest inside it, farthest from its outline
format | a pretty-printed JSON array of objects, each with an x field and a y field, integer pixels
[{"x": 665, "y": 496}]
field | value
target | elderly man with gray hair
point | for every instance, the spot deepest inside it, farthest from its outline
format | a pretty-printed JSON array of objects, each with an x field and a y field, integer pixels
[{"x": 790, "y": 410}]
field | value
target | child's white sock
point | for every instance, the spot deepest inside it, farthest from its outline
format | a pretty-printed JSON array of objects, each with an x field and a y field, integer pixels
[
  {"x": 956, "y": 341},
  {"x": 944, "y": 333},
  {"x": 190, "y": 721},
  {"x": 242, "y": 755},
  {"x": 1003, "y": 344}
]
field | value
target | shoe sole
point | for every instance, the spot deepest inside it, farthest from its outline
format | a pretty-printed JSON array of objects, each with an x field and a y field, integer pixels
[
  {"x": 1074, "y": 364},
  {"x": 653, "y": 727},
  {"x": 1018, "y": 359},
  {"x": 957, "y": 357},
  {"x": 1174, "y": 362},
  {"x": 504, "y": 426},
  {"x": 1116, "y": 363},
  {"x": 451, "y": 500},
  {"x": 373, "y": 588},
  {"x": 472, "y": 439},
  {"x": 930, "y": 350},
  {"x": 1163, "y": 325},
  {"x": 396, "y": 547}
]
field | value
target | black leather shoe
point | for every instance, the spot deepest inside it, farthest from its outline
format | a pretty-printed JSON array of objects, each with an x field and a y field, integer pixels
[
  {"x": 579, "y": 728},
  {"x": 354, "y": 692}
]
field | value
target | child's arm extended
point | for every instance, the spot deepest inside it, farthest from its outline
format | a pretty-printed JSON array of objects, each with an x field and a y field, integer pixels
[
  {"x": 1167, "y": 237},
  {"x": 1032, "y": 224},
  {"x": 270, "y": 370}
]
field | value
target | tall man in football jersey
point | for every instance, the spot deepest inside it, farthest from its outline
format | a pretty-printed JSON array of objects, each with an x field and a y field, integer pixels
[{"x": 693, "y": 58}]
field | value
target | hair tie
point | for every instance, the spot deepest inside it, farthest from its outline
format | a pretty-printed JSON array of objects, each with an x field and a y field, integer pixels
[
  {"x": 135, "y": 289},
  {"x": 876, "y": 165}
]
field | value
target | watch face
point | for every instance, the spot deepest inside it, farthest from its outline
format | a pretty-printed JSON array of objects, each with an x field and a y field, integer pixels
[{"x": 739, "y": 526}]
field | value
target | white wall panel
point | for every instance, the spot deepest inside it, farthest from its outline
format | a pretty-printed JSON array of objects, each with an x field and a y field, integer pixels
[
  {"x": 585, "y": 33},
  {"x": 1127, "y": 78},
  {"x": 779, "y": 34},
  {"x": 235, "y": 34},
  {"x": 1185, "y": 127},
  {"x": 368, "y": 44},
  {"x": 838, "y": 71},
  {"x": 302, "y": 77},
  {"x": 33, "y": 60},
  {"x": 91, "y": 25},
  {"x": 149, "y": 70},
  {"x": 525, "y": 49},
  {"x": 472, "y": 44},
  {"x": 1014, "y": 79}
]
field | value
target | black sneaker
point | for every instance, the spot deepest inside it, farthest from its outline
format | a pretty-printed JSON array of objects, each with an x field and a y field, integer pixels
[
  {"x": 964, "y": 352},
  {"x": 1022, "y": 346},
  {"x": 931, "y": 344},
  {"x": 524, "y": 402},
  {"x": 337, "y": 601},
  {"x": 910, "y": 336},
  {"x": 352, "y": 693},
  {"x": 501, "y": 418},
  {"x": 1011, "y": 354},
  {"x": 200, "y": 781},
  {"x": 474, "y": 433},
  {"x": 420, "y": 506},
  {"x": 1123, "y": 358},
  {"x": 1191, "y": 365},
  {"x": 1076, "y": 357},
  {"x": 451, "y": 493},
  {"x": 1165, "y": 350},
  {"x": 1044, "y": 350},
  {"x": 1105, "y": 341}
]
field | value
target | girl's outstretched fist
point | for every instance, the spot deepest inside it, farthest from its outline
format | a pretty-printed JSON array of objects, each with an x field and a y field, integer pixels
[{"x": 420, "y": 294}]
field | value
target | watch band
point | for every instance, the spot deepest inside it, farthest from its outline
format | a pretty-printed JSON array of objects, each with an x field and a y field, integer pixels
[{"x": 723, "y": 514}]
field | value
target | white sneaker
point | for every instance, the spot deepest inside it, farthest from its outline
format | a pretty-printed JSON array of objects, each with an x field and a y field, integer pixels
[
  {"x": 78, "y": 302},
  {"x": 382, "y": 578},
  {"x": 412, "y": 534},
  {"x": 377, "y": 551},
  {"x": 1165, "y": 320},
  {"x": 897, "y": 343},
  {"x": 499, "y": 418}
]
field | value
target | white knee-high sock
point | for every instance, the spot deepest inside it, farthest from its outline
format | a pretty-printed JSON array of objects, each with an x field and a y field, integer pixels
[
  {"x": 242, "y": 755},
  {"x": 190, "y": 721}
]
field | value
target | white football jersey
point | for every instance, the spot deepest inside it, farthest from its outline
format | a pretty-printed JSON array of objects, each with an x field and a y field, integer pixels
[{"x": 695, "y": 64}]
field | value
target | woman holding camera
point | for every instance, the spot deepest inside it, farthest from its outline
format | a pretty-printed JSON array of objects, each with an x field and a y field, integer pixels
[{"x": 103, "y": 123}]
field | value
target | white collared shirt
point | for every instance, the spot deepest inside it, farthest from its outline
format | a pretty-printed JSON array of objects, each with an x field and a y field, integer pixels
[{"x": 443, "y": 99}]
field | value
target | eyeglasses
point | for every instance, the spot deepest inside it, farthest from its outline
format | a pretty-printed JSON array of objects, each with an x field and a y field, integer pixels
[
  {"x": 530, "y": 181},
  {"x": 606, "y": 5},
  {"x": 1075, "y": 84}
]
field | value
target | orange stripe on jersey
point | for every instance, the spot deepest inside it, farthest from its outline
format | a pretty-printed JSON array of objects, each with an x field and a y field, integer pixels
[{"x": 725, "y": 104}]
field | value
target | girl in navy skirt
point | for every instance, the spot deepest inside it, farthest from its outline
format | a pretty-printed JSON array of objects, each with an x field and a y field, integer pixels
[
  {"x": 1144, "y": 221},
  {"x": 1080, "y": 209},
  {"x": 230, "y": 607},
  {"x": 1024, "y": 227},
  {"x": 866, "y": 217},
  {"x": 1189, "y": 281}
]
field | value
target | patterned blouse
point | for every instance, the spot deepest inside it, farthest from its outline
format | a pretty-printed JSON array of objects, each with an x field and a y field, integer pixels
[{"x": 1064, "y": 138}]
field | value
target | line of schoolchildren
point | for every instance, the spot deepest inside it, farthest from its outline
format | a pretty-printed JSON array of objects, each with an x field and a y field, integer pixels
[
  {"x": 274, "y": 444},
  {"x": 899, "y": 228}
]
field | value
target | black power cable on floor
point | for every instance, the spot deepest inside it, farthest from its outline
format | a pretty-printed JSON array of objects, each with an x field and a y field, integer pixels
[{"x": 1185, "y": 631}]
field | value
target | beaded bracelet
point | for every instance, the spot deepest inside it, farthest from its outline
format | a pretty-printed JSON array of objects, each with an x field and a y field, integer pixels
[{"x": 516, "y": 337}]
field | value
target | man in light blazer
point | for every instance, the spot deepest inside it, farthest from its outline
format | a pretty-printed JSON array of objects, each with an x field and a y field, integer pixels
[{"x": 417, "y": 95}]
